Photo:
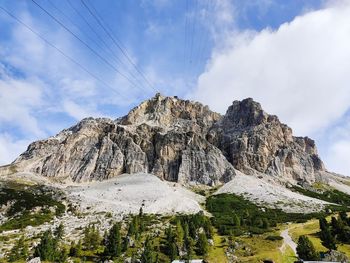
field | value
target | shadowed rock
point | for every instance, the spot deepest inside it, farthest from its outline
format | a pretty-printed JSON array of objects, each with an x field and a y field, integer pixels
[{"x": 177, "y": 140}]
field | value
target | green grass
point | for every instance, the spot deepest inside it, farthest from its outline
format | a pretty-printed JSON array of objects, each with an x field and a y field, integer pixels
[
  {"x": 26, "y": 219},
  {"x": 310, "y": 229},
  {"x": 217, "y": 252},
  {"x": 288, "y": 255},
  {"x": 29, "y": 205},
  {"x": 27, "y": 198},
  {"x": 224, "y": 207},
  {"x": 258, "y": 248},
  {"x": 330, "y": 195}
]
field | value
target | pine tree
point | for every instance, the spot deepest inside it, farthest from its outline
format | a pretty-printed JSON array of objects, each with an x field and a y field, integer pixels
[
  {"x": 19, "y": 251},
  {"x": 179, "y": 234},
  {"x": 135, "y": 227},
  {"x": 323, "y": 223},
  {"x": 265, "y": 223},
  {"x": 113, "y": 242},
  {"x": 76, "y": 249},
  {"x": 172, "y": 250},
  {"x": 202, "y": 244},
  {"x": 92, "y": 237},
  {"x": 170, "y": 243},
  {"x": 344, "y": 217},
  {"x": 147, "y": 255},
  {"x": 46, "y": 248},
  {"x": 189, "y": 244},
  {"x": 306, "y": 250},
  {"x": 328, "y": 239},
  {"x": 79, "y": 248},
  {"x": 62, "y": 256},
  {"x": 208, "y": 228},
  {"x": 235, "y": 220},
  {"x": 59, "y": 232}
]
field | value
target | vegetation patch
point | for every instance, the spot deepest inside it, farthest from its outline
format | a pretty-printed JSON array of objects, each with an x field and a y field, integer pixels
[
  {"x": 330, "y": 195},
  {"x": 234, "y": 214},
  {"x": 28, "y": 205}
]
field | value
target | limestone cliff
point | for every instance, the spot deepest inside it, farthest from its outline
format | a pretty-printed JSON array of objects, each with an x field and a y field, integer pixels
[{"x": 177, "y": 140}]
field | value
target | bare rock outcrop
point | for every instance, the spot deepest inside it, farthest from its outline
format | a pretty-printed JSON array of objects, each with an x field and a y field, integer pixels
[
  {"x": 164, "y": 136},
  {"x": 176, "y": 140},
  {"x": 254, "y": 141}
]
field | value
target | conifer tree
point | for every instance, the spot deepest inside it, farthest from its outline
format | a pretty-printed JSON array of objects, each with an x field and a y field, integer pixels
[
  {"x": 147, "y": 255},
  {"x": 179, "y": 233},
  {"x": 19, "y": 251},
  {"x": 46, "y": 248},
  {"x": 208, "y": 228},
  {"x": 235, "y": 220},
  {"x": 202, "y": 244},
  {"x": 62, "y": 256},
  {"x": 172, "y": 249},
  {"x": 59, "y": 232},
  {"x": 113, "y": 242},
  {"x": 92, "y": 237},
  {"x": 189, "y": 244},
  {"x": 265, "y": 223},
  {"x": 75, "y": 249},
  {"x": 306, "y": 250},
  {"x": 171, "y": 243},
  {"x": 323, "y": 223},
  {"x": 328, "y": 239}
]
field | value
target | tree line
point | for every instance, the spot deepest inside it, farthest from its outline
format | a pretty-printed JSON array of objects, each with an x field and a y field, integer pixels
[
  {"x": 331, "y": 233},
  {"x": 185, "y": 237}
]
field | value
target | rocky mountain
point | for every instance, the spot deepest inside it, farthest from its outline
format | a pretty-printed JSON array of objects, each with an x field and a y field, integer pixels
[{"x": 176, "y": 140}]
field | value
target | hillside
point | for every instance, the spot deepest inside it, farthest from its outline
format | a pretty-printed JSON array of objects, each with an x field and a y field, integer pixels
[{"x": 170, "y": 162}]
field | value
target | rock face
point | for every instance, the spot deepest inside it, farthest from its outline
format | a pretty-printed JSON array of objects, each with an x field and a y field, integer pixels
[
  {"x": 252, "y": 140},
  {"x": 177, "y": 140}
]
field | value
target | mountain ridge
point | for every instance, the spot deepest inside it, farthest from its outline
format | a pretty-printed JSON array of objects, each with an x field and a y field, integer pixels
[{"x": 177, "y": 140}]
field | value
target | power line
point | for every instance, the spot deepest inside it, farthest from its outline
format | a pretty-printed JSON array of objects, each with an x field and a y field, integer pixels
[
  {"x": 60, "y": 51},
  {"x": 205, "y": 46},
  {"x": 186, "y": 26},
  {"x": 87, "y": 45},
  {"x": 115, "y": 41},
  {"x": 193, "y": 29},
  {"x": 115, "y": 56},
  {"x": 201, "y": 37}
]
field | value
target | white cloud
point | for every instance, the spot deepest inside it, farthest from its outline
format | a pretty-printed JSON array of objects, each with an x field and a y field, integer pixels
[
  {"x": 79, "y": 112},
  {"x": 337, "y": 146},
  {"x": 301, "y": 72},
  {"x": 18, "y": 100},
  {"x": 338, "y": 157},
  {"x": 10, "y": 148}
]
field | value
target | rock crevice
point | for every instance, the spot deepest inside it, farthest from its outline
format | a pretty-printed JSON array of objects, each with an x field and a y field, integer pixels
[{"x": 176, "y": 140}]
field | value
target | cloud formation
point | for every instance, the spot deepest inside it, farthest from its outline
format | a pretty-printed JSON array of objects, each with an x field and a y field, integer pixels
[{"x": 300, "y": 72}]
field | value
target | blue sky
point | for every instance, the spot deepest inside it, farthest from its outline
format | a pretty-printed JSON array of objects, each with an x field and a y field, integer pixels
[{"x": 214, "y": 51}]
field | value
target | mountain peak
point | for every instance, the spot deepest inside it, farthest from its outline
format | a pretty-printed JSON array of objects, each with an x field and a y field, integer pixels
[
  {"x": 177, "y": 140},
  {"x": 246, "y": 113},
  {"x": 167, "y": 112}
]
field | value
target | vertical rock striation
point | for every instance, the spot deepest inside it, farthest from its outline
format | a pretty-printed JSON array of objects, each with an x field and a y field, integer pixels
[{"x": 177, "y": 140}]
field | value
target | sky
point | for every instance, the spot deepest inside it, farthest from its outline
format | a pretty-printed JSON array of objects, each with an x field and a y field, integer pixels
[{"x": 64, "y": 60}]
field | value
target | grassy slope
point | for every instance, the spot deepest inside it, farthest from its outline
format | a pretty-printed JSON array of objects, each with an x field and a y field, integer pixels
[
  {"x": 310, "y": 229},
  {"x": 217, "y": 252},
  {"x": 252, "y": 249}
]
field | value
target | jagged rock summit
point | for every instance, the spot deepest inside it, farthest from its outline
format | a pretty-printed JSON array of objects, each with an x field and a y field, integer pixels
[{"x": 176, "y": 140}]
